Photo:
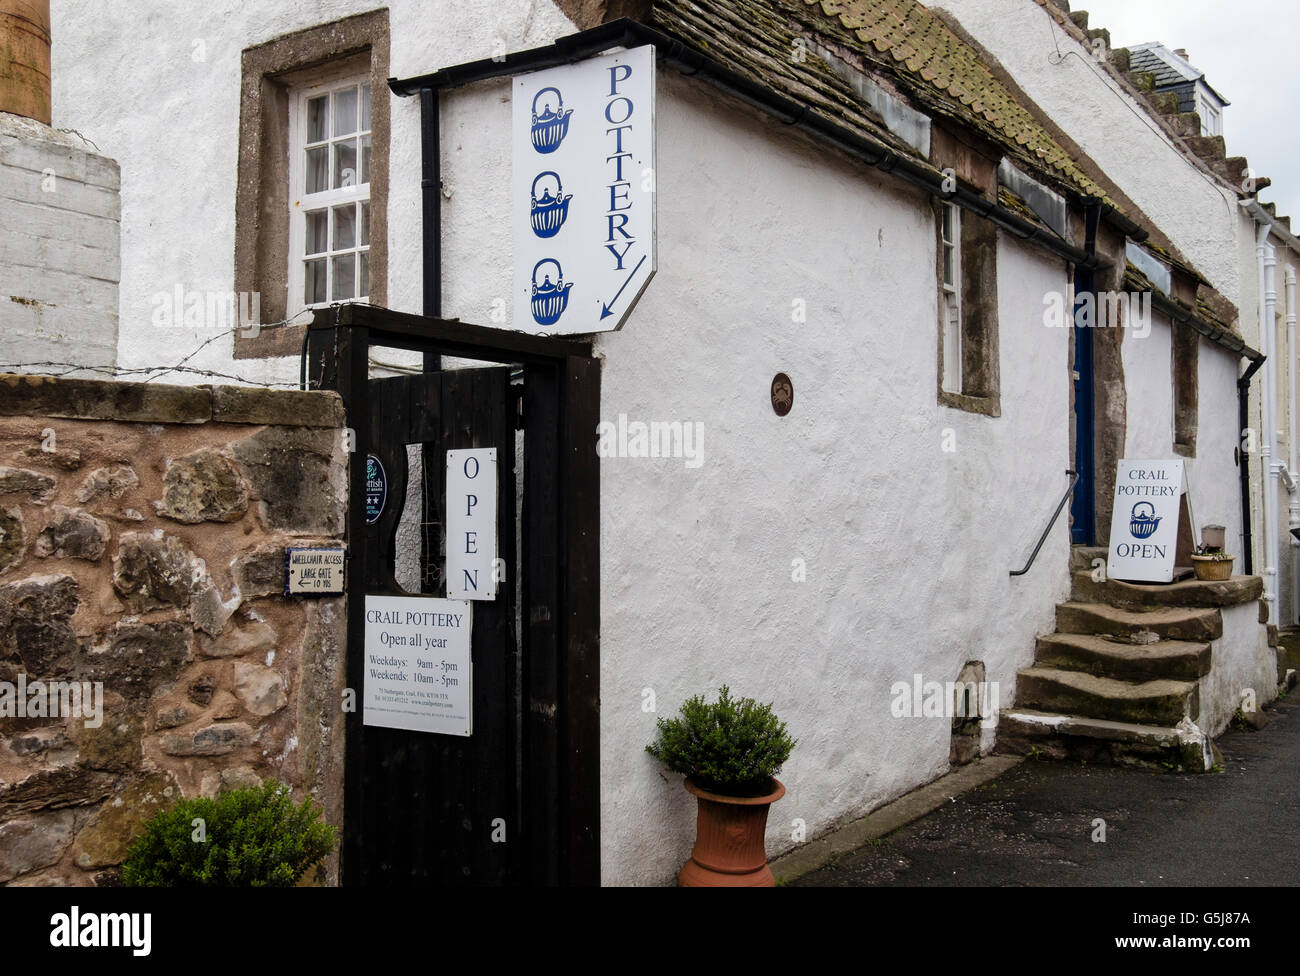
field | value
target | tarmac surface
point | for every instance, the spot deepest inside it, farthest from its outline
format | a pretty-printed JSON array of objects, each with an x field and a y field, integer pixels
[{"x": 1035, "y": 825}]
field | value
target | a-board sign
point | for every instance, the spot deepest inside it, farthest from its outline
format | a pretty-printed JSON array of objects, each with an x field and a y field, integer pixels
[
  {"x": 313, "y": 572},
  {"x": 1144, "y": 523},
  {"x": 583, "y": 192},
  {"x": 472, "y": 524},
  {"x": 376, "y": 488},
  {"x": 418, "y": 675}
]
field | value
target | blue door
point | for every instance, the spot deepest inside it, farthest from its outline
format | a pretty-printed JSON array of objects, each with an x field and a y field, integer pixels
[{"x": 1083, "y": 504}]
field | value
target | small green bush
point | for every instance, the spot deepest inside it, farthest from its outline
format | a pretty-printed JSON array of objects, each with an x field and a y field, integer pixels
[
  {"x": 253, "y": 837},
  {"x": 731, "y": 746}
]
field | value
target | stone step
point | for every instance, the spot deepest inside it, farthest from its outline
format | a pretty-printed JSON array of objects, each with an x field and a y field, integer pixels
[
  {"x": 1157, "y": 702},
  {"x": 1185, "y": 593},
  {"x": 1023, "y": 731},
  {"x": 1082, "y": 557},
  {"x": 1094, "y": 654},
  {"x": 1140, "y": 627}
]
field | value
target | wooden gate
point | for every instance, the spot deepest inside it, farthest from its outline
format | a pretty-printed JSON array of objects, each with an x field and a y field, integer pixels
[{"x": 517, "y": 801}]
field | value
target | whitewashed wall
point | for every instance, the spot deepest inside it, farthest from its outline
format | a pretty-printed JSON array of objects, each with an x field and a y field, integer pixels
[
  {"x": 1213, "y": 477},
  {"x": 907, "y": 547}
]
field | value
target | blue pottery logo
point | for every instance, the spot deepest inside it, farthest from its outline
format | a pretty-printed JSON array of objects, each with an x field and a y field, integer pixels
[
  {"x": 551, "y": 124},
  {"x": 549, "y": 298},
  {"x": 1143, "y": 520},
  {"x": 549, "y": 211}
]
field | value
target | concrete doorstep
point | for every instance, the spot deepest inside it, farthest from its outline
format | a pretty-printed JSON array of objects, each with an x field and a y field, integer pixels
[{"x": 812, "y": 855}]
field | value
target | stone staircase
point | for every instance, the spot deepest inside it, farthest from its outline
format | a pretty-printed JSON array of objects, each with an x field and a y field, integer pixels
[{"x": 1119, "y": 680}]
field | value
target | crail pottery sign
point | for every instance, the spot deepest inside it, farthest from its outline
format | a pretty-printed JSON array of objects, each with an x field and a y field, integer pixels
[{"x": 1144, "y": 524}]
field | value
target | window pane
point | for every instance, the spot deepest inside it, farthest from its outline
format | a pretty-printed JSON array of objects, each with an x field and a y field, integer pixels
[
  {"x": 317, "y": 229},
  {"x": 345, "y": 227},
  {"x": 345, "y": 276},
  {"x": 365, "y": 223},
  {"x": 345, "y": 112},
  {"x": 315, "y": 281},
  {"x": 345, "y": 163},
  {"x": 318, "y": 161},
  {"x": 947, "y": 266},
  {"x": 364, "y": 285},
  {"x": 365, "y": 159},
  {"x": 365, "y": 108},
  {"x": 947, "y": 223},
  {"x": 317, "y": 109},
  {"x": 951, "y": 347}
]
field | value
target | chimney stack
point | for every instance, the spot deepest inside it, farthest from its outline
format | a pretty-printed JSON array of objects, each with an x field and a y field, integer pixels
[{"x": 25, "y": 58}]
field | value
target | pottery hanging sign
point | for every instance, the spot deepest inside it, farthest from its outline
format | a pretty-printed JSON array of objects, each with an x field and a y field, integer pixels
[
  {"x": 1144, "y": 522},
  {"x": 583, "y": 193}
]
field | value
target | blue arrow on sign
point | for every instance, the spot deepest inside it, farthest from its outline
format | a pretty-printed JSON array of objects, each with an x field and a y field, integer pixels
[{"x": 605, "y": 310}]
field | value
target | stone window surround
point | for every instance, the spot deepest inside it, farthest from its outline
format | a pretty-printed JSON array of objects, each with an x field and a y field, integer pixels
[
  {"x": 268, "y": 71},
  {"x": 981, "y": 387},
  {"x": 1184, "y": 356}
]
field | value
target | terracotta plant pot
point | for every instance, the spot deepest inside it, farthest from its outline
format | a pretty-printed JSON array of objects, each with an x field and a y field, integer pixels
[
  {"x": 1209, "y": 568},
  {"x": 729, "y": 851}
]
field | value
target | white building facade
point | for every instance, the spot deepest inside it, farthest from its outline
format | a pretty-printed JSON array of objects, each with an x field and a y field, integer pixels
[{"x": 814, "y": 560}]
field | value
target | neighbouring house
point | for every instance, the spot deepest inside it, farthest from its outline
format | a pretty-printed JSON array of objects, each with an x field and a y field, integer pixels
[
  {"x": 1173, "y": 73},
  {"x": 908, "y": 289}
]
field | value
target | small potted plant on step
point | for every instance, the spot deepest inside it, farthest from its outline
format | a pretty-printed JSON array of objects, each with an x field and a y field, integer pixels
[
  {"x": 729, "y": 751},
  {"x": 1209, "y": 560}
]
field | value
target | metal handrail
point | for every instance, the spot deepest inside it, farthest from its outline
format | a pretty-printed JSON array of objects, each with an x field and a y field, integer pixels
[{"x": 1074, "y": 478}]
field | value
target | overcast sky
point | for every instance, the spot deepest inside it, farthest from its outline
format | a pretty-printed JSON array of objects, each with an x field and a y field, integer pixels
[{"x": 1248, "y": 53}]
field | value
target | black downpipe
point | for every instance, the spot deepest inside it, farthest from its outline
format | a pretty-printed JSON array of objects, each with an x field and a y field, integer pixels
[
  {"x": 431, "y": 233},
  {"x": 1243, "y": 465},
  {"x": 431, "y": 212}
]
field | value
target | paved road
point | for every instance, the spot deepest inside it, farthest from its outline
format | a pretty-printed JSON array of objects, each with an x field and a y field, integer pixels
[{"x": 1034, "y": 825}]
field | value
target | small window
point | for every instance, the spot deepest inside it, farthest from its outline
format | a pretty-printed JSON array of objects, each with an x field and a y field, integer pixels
[
  {"x": 968, "y": 311},
  {"x": 1211, "y": 119},
  {"x": 329, "y": 193},
  {"x": 950, "y": 243},
  {"x": 329, "y": 72}
]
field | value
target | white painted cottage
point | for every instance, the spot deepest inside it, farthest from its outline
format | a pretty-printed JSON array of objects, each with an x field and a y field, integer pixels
[{"x": 886, "y": 203}]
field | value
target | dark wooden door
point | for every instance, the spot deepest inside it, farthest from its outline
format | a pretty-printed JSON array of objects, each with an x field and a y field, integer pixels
[
  {"x": 421, "y": 808},
  {"x": 439, "y": 809}
]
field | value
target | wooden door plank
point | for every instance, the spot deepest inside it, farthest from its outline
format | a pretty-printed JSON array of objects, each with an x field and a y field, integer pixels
[
  {"x": 541, "y": 666},
  {"x": 580, "y": 629}
]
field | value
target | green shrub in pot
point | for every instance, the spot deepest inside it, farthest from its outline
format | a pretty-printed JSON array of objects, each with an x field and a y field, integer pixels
[{"x": 732, "y": 746}]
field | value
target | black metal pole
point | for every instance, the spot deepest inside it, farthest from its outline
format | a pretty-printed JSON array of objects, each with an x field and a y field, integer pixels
[{"x": 431, "y": 205}]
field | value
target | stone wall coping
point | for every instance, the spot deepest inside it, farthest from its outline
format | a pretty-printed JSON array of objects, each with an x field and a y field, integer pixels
[{"x": 157, "y": 403}]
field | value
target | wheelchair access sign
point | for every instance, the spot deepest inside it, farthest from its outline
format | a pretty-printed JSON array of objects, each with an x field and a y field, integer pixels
[
  {"x": 1144, "y": 522},
  {"x": 583, "y": 193}
]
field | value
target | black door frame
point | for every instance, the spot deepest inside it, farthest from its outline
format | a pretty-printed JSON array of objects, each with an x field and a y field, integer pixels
[{"x": 561, "y": 584}]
